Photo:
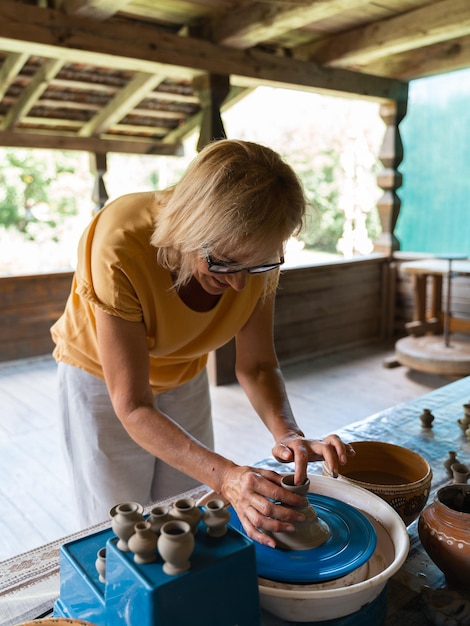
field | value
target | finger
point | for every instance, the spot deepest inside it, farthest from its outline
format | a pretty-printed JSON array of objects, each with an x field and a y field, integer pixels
[{"x": 282, "y": 453}]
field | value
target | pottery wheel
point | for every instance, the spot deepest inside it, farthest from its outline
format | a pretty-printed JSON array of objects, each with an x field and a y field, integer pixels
[{"x": 351, "y": 543}]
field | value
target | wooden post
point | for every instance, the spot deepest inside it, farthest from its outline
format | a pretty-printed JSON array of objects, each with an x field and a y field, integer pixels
[
  {"x": 98, "y": 166},
  {"x": 390, "y": 179},
  {"x": 211, "y": 89}
]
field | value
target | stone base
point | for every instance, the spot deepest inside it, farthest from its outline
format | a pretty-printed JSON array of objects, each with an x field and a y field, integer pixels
[{"x": 430, "y": 354}]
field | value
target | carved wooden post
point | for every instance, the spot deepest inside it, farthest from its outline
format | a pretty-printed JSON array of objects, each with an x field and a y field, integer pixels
[
  {"x": 99, "y": 167},
  {"x": 211, "y": 89},
  {"x": 390, "y": 179}
]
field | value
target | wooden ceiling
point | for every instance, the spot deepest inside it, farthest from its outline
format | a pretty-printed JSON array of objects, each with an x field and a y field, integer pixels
[{"x": 139, "y": 76}]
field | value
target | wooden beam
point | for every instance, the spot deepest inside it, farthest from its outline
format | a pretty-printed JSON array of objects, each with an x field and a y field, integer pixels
[
  {"x": 32, "y": 93},
  {"x": 412, "y": 30},
  {"x": 143, "y": 49},
  {"x": 53, "y": 141},
  {"x": 10, "y": 69},
  {"x": 250, "y": 24},
  {"x": 448, "y": 56},
  {"x": 93, "y": 9},
  {"x": 124, "y": 101}
]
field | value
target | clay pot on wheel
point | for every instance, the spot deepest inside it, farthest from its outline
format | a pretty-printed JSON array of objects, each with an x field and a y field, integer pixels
[
  {"x": 444, "y": 531},
  {"x": 310, "y": 533}
]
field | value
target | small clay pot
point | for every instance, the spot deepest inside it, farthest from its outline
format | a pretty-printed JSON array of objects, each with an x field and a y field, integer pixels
[
  {"x": 124, "y": 517},
  {"x": 427, "y": 418},
  {"x": 215, "y": 517},
  {"x": 143, "y": 543},
  {"x": 100, "y": 564},
  {"x": 158, "y": 516},
  {"x": 460, "y": 473},
  {"x": 186, "y": 509},
  {"x": 175, "y": 545}
]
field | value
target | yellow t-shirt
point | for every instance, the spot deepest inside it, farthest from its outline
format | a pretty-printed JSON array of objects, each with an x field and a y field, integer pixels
[{"x": 117, "y": 271}]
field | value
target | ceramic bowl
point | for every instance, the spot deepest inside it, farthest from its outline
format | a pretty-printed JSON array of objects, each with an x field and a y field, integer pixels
[
  {"x": 328, "y": 601},
  {"x": 398, "y": 475}
]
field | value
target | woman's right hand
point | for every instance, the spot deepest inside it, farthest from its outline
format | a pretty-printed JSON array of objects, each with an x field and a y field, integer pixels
[{"x": 255, "y": 494}]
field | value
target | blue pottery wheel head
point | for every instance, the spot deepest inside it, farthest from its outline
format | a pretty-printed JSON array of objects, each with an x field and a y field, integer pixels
[{"x": 351, "y": 543}]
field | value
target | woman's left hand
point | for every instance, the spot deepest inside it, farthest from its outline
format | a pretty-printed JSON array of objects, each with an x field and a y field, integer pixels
[{"x": 300, "y": 450}]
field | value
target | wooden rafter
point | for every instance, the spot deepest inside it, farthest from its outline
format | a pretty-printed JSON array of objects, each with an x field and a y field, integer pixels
[
  {"x": 261, "y": 21},
  {"x": 32, "y": 93},
  {"x": 122, "y": 103},
  {"x": 445, "y": 20},
  {"x": 54, "y": 141},
  {"x": 11, "y": 67},
  {"x": 77, "y": 40}
]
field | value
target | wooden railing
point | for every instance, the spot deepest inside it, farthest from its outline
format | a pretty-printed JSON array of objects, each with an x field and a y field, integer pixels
[
  {"x": 29, "y": 305},
  {"x": 320, "y": 308}
]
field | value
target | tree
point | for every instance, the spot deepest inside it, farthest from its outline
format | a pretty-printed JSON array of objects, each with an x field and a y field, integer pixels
[
  {"x": 30, "y": 190},
  {"x": 324, "y": 223}
]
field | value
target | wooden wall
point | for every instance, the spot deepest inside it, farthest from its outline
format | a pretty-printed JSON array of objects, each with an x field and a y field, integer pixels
[
  {"x": 29, "y": 305},
  {"x": 324, "y": 308},
  {"x": 319, "y": 309}
]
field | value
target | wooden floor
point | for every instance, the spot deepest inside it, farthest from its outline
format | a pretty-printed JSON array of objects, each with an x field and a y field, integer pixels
[{"x": 35, "y": 498}]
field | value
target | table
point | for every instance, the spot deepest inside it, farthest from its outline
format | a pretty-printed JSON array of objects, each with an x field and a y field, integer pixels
[
  {"x": 429, "y": 346},
  {"x": 29, "y": 583},
  {"x": 430, "y": 272}
]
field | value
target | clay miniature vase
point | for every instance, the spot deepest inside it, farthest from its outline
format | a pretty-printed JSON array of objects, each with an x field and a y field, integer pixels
[
  {"x": 158, "y": 516},
  {"x": 444, "y": 531},
  {"x": 427, "y": 418},
  {"x": 124, "y": 517},
  {"x": 215, "y": 517},
  {"x": 185, "y": 509},
  {"x": 100, "y": 564},
  {"x": 451, "y": 459},
  {"x": 143, "y": 543},
  {"x": 460, "y": 473},
  {"x": 175, "y": 545},
  {"x": 310, "y": 533},
  {"x": 466, "y": 412},
  {"x": 464, "y": 422}
]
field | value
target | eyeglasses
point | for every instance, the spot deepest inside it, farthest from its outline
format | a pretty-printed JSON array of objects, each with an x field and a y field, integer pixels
[{"x": 218, "y": 267}]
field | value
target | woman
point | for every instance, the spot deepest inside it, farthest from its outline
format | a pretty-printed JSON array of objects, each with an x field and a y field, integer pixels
[{"x": 162, "y": 279}]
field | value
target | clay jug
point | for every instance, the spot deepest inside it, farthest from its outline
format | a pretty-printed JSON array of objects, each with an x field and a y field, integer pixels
[
  {"x": 444, "y": 531},
  {"x": 143, "y": 543},
  {"x": 175, "y": 545},
  {"x": 427, "y": 418},
  {"x": 100, "y": 564},
  {"x": 215, "y": 517},
  {"x": 451, "y": 459},
  {"x": 158, "y": 516},
  {"x": 124, "y": 517},
  {"x": 310, "y": 533},
  {"x": 185, "y": 509},
  {"x": 460, "y": 473}
]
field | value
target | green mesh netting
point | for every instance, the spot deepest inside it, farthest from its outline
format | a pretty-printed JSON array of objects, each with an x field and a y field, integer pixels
[{"x": 435, "y": 210}]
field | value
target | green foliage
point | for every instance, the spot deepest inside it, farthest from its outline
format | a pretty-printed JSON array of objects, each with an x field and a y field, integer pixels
[
  {"x": 32, "y": 190},
  {"x": 325, "y": 220}
]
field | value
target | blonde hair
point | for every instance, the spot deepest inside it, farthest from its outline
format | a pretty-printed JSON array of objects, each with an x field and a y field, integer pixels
[{"x": 235, "y": 197}]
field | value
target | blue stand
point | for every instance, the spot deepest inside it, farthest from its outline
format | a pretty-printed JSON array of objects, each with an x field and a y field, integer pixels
[{"x": 220, "y": 589}]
